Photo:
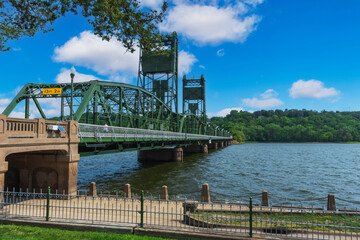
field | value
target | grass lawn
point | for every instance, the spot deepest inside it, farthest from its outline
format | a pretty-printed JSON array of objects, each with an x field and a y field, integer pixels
[
  {"x": 322, "y": 222},
  {"x": 11, "y": 232}
]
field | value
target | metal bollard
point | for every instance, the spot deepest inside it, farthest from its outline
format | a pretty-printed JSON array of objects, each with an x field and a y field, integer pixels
[
  {"x": 264, "y": 199},
  {"x": 164, "y": 193},
  {"x": 331, "y": 204},
  {"x": 127, "y": 190},
  {"x": 205, "y": 193},
  {"x": 92, "y": 190}
]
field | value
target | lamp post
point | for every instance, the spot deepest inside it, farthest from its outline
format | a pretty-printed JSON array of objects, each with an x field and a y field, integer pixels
[{"x": 72, "y": 75}]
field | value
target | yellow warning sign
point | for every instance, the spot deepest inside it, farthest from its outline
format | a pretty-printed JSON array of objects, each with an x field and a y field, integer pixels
[{"x": 52, "y": 91}]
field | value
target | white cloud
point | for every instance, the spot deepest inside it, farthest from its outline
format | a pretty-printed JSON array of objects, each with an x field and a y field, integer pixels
[
  {"x": 50, "y": 106},
  {"x": 207, "y": 24},
  {"x": 262, "y": 103},
  {"x": 267, "y": 100},
  {"x": 311, "y": 89},
  {"x": 5, "y": 101},
  {"x": 186, "y": 61},
  {"x": 64, "y": 77},
  {"x": 108, "y": 58},
  {"x": 269, "y": 93},
  {"x": 220, "y": 52},
  {"x": 15, "y": 114},
  {"x": 202, "y": 66},
  {"x": 253, "y": 2},
  {"x": 224, "y": 112}
]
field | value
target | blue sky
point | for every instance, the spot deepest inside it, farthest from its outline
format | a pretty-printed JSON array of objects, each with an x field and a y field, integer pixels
[{"x": 254, "y": 54}]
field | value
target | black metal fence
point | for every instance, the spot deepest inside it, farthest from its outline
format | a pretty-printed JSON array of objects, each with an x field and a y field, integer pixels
[{"x": 234, "y": 219}]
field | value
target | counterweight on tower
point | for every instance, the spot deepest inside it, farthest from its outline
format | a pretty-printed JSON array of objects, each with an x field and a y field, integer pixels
[
  {"x": 158, "y": 71},
  {"x": 194, "y": 97}
]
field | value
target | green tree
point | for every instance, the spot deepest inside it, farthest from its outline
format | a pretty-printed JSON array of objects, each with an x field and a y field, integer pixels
[
  {"x": 124, "y": 20},
  {"x": 293, "y": 125},
  {"x": 238, "y": 136}
]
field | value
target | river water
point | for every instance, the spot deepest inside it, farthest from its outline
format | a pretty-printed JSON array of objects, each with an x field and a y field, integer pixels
[{"x": 288, "y": 171}]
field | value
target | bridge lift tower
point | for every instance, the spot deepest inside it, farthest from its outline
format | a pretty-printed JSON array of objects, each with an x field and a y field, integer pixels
[
  {"x": 194, "y": 97},
  {"x": 158, "y": 71}
]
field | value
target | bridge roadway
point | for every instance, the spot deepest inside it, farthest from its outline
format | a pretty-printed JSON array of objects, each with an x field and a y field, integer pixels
[
  {"x": 99, "y": 138},
  {"x": 34, "y": 155}
]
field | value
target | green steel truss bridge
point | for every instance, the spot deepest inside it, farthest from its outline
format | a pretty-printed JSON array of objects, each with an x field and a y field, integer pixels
[{"x": 137, "y": 119}]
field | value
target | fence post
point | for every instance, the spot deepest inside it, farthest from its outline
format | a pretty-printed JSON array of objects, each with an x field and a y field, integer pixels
[
  {"x": 250, "y": 217},
  {"x": 48, "y": 204},
  {"x": 142, "y": 209}
]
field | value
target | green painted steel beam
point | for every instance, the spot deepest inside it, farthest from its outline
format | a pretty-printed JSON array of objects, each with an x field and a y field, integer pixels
[
  {"x": 39, "y": 107},
  {"x": 16, "y": 100},
  {"x": 85, "y": 101}
]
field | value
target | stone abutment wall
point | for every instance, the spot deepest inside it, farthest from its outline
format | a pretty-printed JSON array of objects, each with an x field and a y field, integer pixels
[{"x": 34, "y": 157}]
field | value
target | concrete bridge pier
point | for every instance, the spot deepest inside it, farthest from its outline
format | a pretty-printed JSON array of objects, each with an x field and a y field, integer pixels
[
  {"x": 196, "y": 149},
  {"x": 213, "y": 145},
  {"x": 161, "y": 155},
  {"x": 221, "y": 144}
]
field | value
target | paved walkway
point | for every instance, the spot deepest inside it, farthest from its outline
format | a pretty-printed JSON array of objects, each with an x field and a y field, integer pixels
[{"x": 158, "y": 214}]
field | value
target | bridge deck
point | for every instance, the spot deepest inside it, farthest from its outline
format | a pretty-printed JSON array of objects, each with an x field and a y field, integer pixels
[{"x": 96, "y": 133}]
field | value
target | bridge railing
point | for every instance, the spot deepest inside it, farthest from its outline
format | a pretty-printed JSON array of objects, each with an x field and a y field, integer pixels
[
  {"x": 19, "y": 128},
  {"x": 32, "y": 128},
  {"x": 116, "y": 133}
]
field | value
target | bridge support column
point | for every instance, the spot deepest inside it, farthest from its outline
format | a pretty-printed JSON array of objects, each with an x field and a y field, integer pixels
[
  {"x": 213, "y": 146},
  {"x": 161, "y": 155},
  {"x": 37, "y": 171},
  {"x": 196, "y": 149},
  {"x": 3, "y": 170}
]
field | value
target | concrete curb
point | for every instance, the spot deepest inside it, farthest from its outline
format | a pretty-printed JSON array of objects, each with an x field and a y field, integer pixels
[
  {"x": 73, "y": 226},
  {"x": 184, "y": 235},
  {"x": 133, "y": 229}
]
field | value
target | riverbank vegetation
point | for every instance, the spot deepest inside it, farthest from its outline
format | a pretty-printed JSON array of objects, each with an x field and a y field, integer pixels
[
  {"x": 13, "y": 232},
  {"x": 292, "y": 126}
]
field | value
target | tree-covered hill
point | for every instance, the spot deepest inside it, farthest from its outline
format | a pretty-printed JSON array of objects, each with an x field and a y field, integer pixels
[{"x": 292, "y": 126}]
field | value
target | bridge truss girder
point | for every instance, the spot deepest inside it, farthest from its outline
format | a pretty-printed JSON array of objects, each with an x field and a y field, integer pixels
[{"x": 117, "y": 104}]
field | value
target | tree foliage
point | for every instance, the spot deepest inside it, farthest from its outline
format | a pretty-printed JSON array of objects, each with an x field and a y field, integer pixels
[
  {"x": 124, "y": 20},
  {"x": 292, "y": 126}
]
